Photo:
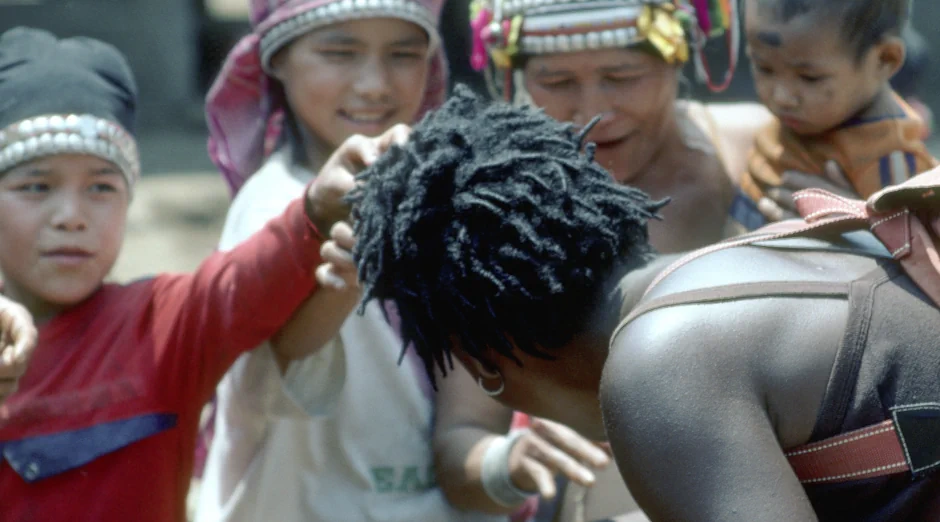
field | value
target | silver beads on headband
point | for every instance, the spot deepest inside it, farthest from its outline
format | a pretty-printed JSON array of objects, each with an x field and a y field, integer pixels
[
  {"x": 69, "y": 133},
  {"x": 564, "y": 43},
  {"x": 343, "y": 10},
  {"x": 525, "y": 7}
]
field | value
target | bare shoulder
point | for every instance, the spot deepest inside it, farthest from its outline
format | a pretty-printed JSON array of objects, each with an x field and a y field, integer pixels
[
  {"x": 701, "y": 193},
  {"x": 733, "y": 127},
  {"x": 691, "y": 414},
  {"x": 776, "y": 349}
]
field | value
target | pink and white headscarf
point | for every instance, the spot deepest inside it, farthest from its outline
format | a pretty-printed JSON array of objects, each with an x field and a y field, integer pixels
[{"x": 240, "y": 108}]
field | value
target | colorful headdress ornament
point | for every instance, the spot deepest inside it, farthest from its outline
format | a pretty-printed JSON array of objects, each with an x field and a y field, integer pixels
[{"x": 505, "y": 30}]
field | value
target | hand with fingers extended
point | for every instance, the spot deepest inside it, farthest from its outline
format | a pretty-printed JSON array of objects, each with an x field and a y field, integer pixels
[
  {"x": 547, "y": 449},
  {"x": 326, "y": 203},
  {"x": 17, "y": 342},
  {"x": 338, "y": 270},
  {"x": 777, "y": 203}
]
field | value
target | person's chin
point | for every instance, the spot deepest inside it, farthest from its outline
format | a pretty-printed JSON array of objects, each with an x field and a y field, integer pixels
[
  {"x": 803, "y": 127},
  {"x": 68, "y": 292}
]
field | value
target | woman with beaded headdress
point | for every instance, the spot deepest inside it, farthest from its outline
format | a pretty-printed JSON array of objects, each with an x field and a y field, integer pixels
[
  {"x": 344, "y": 434},
  {"x": 621, "y": 60}
]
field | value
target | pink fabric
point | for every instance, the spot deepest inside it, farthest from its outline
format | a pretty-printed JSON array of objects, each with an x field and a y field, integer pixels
[
  {"x": 240, "y": 110},
  {"x": 703, "y": 15},
  {"x": 520, "y": 421},
  {"x": 478, "y": 27},
  {"x": 527, "y": 511}
]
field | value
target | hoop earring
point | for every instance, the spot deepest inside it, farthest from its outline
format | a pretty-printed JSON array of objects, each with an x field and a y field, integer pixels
[
  {"x": 498, "y": 390},
  {"x": 490, "y": 375}
]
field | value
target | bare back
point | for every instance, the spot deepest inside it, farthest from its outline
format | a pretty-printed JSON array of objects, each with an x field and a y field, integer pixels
[{"x": 764, "y": 348}]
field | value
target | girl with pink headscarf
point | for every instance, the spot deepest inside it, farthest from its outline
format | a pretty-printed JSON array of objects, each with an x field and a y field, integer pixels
[
  {"x": 344, "y": 434},
  {"x": 347, "y": 433}
]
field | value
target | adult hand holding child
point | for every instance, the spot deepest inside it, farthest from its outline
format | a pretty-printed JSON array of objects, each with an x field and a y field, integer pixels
[{"x": 778, "y": 204}]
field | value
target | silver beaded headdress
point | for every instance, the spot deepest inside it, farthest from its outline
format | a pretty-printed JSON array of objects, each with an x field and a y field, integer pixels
[
  {"x": 70, "y": 96},
  {"x": 48, "y": 135},
  {"x": 281, "y": 32},
  {"x": 506, "y": 30}
]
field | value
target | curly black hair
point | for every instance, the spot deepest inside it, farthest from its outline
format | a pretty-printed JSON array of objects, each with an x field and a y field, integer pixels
[{"x": 491, "y": 229}]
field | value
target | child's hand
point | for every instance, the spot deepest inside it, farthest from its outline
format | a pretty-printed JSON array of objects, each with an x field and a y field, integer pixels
[
  {"x": 325, "y": 203},
  {"x": 778, "y": 204},
  {"x": 338, "y": 271},
  {"x": 17, "y": 342}
]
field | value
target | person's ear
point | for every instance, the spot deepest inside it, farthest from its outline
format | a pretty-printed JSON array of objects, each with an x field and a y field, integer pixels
[
  {"x": 277, "y": 63},
  {"x": 890, "y": 54},
  {"x": 475, "y": 366}
]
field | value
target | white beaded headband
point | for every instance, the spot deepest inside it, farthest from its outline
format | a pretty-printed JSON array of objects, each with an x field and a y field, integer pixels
[
  {"x": 279, "y": 35},
  {"x": 53, "y": 134},
  {"x": 588, "y": 28},
  {"x": 551, "y": 26}
]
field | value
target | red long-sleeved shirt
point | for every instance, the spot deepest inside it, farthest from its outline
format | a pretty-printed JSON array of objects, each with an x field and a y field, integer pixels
[{"x": 104, "y": 424}]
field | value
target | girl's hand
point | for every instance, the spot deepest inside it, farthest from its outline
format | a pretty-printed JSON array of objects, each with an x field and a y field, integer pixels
[
  {"x": 325, "y": 197},
  {"x": 338, "y": 271}
]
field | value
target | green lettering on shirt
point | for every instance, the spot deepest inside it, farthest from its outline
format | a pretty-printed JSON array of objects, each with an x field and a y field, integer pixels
[
  {"x": 384, "y": 479},
  {"x": 410, "y": 481},
  {"x": 403, "y": 479}
]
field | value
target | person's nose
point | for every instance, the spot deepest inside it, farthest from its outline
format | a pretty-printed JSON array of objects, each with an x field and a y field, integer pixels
[
  {"x": 785, "y": 97},
  {"x": 70, "y": 214},
  {"x": 592, "y": 104},
  {"x": 372, "y": 83}
]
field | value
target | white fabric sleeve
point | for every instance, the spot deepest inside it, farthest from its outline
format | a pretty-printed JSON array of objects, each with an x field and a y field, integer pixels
[{"x": 260, "y": 200}]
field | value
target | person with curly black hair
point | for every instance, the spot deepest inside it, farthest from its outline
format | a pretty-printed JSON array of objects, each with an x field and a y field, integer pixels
[
  {"x": 510, "y": 251},
  {"x": 492, "y": 201}
]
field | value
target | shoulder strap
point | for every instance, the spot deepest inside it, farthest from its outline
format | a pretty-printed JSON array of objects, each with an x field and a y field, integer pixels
[
  {"x": 758, "y": 290},
  {"x": 906, "y": 219},
  {"x": 874, "y": 451}
]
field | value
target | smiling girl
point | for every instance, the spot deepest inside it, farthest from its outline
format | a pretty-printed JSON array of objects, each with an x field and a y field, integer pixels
[{"x": 343, "y": 434}]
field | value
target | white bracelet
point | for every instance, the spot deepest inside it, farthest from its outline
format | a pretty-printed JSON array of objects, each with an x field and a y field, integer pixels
[{"x": 494, "y": 472}]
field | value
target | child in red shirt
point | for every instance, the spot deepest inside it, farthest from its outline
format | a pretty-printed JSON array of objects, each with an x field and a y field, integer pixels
[{"x": 104, "y": 422}]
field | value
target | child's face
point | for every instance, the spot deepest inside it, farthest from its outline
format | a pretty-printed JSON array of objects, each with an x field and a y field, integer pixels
[
  {"x": 356, "y": 77},
  {"x": 807, "y": 74},
  {"x": 61, "y": 227}
]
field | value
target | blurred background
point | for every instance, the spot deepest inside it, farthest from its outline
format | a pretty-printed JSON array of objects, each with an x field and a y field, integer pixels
[{"x": 176, "y": 47}]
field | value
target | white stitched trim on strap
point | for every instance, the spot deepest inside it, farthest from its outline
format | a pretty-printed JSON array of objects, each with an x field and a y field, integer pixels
[
  {"x": 907, "y": 242},
  {"x": 889, "y": 218},
  {"x": 842, "y": 205},
  {"x": 840, "y": 442},
  {"x": 855, "y": 474},
  {"x": 901, "y": 249},
  {"x": 907, "y": 454}
]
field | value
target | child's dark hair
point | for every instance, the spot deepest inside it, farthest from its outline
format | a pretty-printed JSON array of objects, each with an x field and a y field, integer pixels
[
  {"x": 490, "y": 228},
  {"x": 862, "y": 23}
]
